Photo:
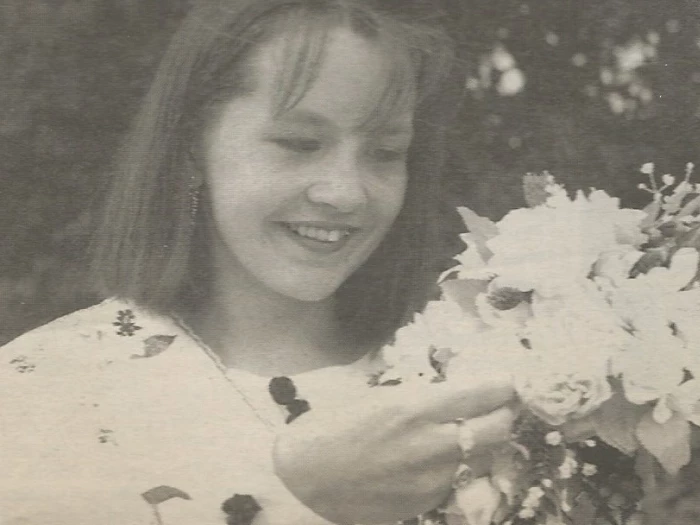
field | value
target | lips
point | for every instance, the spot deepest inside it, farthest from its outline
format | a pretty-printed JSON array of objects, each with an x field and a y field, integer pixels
[
  {"x": 320, "y": 237},
  {"x": 320, "y": 234}
]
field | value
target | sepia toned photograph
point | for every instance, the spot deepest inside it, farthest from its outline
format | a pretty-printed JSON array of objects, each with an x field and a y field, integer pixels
[{"x": 352, "y": 262}]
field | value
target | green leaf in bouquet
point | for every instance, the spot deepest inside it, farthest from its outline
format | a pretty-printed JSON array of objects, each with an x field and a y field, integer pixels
[
  {"x": 584, "y": 511},
  {"x": 690, "y": 239},
  {"x": 652, "y": 258},
  {"x": 535, "y": 188},
  {"x": 652, "y": 211},
  {"x": 672, "y": 230},
  {"x": 682, "y": 195},
  {"x": 549, "y": 506},
  {"x": 669, "y": 442},
  {"x": 480, "y": 230},
  {"x": 647, "y": 468},
  {"x": 690, "y": 208},
  {"x": 616, "y": 422}
]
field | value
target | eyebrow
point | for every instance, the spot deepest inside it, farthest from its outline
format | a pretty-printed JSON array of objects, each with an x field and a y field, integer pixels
[
  {"x": 304, "y": 117},
  {"x": 312, "y": 118}
]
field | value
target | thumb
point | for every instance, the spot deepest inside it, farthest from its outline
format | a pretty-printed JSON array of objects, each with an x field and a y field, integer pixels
[{"x": 448, "y": 401}]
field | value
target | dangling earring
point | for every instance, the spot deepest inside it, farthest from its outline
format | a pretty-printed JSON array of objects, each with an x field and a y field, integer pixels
[
  {"x": 194, "y": 201},
  {"x": 195, "y": 186}
]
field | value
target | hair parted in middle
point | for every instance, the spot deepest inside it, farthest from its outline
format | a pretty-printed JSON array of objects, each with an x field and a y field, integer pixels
[{"x": 147, "y": 248}]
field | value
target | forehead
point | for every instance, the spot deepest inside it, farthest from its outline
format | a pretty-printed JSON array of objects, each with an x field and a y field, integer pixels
[{"x": 351, "y": 79}]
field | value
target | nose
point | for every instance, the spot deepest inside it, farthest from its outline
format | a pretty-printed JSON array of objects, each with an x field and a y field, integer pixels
[{"x": 341, "y": 185}]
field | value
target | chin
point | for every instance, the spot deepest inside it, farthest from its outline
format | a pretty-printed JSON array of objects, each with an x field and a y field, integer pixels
[{"x": 311, "y": 292}]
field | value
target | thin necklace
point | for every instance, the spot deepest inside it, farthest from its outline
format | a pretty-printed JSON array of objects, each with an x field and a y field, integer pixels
[{"x": 224, "y": 371}]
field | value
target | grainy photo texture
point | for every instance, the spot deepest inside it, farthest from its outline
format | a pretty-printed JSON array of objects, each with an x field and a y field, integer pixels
[{"x": 298, "y": 262}]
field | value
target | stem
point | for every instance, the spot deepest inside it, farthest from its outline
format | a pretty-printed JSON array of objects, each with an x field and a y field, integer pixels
[{"x": 156, "y": 513}]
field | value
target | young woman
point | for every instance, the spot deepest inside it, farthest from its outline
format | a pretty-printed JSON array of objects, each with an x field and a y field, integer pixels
[{"x": 270, "y": 225}]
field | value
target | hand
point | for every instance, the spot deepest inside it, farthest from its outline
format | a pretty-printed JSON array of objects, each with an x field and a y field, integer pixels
[{"x": 393, "y": 453}]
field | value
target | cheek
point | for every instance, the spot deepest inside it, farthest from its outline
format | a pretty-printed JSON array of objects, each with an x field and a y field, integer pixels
[
  {"x": 236, "y": 188},
  {"x": 221, "y": 201},
  {"x": 228, "y": 209},
  {"x": 393, "y": 198}
]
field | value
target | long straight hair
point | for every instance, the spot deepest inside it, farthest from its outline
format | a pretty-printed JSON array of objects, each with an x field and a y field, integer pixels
[{"x": 147, "y": 247}]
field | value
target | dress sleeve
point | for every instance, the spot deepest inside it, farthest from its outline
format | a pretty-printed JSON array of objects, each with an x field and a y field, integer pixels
[
  {"x": 53, "y": 445},
  {"x": 113, "y": 415}
]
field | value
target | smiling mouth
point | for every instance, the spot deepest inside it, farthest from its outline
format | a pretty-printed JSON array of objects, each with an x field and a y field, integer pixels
[{"x": 321, "y": 234}]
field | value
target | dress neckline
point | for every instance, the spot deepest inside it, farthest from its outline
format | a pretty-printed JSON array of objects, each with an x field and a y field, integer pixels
[
  {"x": 364, "y": 362},
  {"x": 256, "y": 390}
]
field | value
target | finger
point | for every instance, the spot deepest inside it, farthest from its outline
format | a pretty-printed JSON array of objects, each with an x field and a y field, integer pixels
[
  {"x": 445, "y": 402},
  {"x": 463, "y": 439},
  {"x": 485, "y": 434},
  {"x": 484, "y": 431},
  {"x": 445, "y": 451}
]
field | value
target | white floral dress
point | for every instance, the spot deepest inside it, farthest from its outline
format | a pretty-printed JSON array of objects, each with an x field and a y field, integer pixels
[{"x": 112, "y": 415}]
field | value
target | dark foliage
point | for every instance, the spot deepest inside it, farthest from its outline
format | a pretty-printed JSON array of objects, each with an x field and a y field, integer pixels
[{"x": 609, "y": 85}]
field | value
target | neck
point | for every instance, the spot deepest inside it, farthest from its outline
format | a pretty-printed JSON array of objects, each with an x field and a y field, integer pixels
[{"x": 269, "y": 334}]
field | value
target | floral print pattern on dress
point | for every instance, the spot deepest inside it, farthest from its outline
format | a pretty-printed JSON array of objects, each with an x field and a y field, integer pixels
[
  {"x": 120, "y": 372},
  {"x": 22, "y": 365},
  {"x": 126, "y": 323},
  {"x": 158, "y": 495},
  {"x": 240, "y": 509},
  {"x": 284, "y": 392},
  {"x": 155, "y": 345},
  {"x": 105, "y": 435}
]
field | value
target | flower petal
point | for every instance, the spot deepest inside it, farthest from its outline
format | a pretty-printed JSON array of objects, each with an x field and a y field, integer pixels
[{"x": 479, "y": 501}]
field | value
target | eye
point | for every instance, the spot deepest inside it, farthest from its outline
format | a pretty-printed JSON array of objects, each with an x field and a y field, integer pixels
[
  {"x": 389, "y": 154},
  {"x": 298, "y": 144}
]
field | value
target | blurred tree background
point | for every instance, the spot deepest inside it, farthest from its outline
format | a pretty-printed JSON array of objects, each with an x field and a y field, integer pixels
[{"x": 587, "y": 90}]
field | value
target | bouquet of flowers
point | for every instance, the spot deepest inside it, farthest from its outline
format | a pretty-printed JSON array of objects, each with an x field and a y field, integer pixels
[{"x": 594, "y": 310}]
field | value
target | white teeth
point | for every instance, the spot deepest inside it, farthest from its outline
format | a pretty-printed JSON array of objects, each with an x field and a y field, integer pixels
[{"x": 319, "y": 234}]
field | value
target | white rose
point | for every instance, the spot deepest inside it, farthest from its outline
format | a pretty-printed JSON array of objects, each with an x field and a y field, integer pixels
[
  {"x": 558, "y": 398},
  {"x": 552, "y": 248},
  {"x": 653, "y": 367}
]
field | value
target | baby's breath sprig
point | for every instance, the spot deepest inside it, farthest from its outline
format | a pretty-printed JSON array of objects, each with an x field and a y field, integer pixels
[
  {"x": 673, "y": 202},
  {"x": 689, "y": 167},
  {"x": 667, "y": 180},
  {"x": 648, "y": 169}
]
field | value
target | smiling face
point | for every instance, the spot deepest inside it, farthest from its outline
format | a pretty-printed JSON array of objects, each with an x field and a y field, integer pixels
[{"x": 301, "y": 198}]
